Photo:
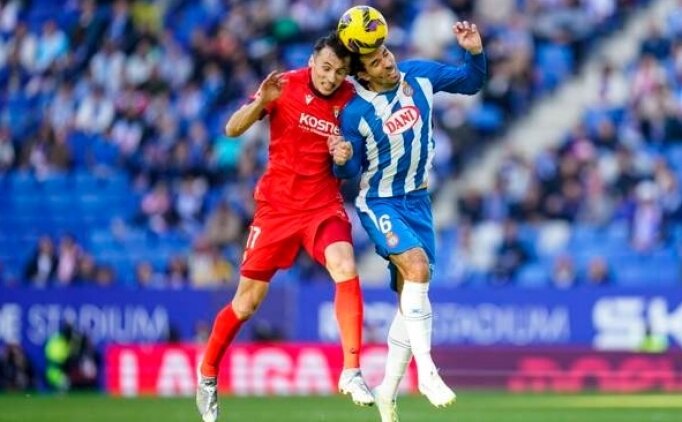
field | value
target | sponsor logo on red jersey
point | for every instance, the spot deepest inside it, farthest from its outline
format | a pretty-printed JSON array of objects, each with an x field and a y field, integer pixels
[
  {"x": 317, "y": 125},
  {"x": 402, "y": 120}
]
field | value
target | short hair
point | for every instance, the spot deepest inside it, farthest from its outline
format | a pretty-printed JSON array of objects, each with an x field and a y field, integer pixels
[
  {"x": 356, "y": 64},
  {"x": 332, "y": 41}
]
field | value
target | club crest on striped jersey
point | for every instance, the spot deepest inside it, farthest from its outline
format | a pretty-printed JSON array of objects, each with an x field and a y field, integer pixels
[
  {"x": 401, "y": 120},
  {"x": 407, "y": 89}
]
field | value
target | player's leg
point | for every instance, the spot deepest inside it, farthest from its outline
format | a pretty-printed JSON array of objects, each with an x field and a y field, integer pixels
[
  {"x": 250, "y": 293},
  {"x": 414, "y": 266},
  {"x": 397, "y": 360},
  {"x": 267, "y": 249},
  {"x": 331, "y": 247}
]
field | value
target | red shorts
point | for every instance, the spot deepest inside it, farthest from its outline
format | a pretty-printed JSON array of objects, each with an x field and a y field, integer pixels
[{"x": 275, "y": 237}]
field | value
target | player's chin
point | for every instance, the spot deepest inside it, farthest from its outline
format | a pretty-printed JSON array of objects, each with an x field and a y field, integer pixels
[{"x": 328, "y": 89}]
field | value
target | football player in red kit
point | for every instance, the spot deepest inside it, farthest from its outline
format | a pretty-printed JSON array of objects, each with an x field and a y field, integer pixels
[{"x": 298, "y": 204}]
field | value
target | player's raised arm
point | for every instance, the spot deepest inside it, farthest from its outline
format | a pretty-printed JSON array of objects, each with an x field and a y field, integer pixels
[
  {"x": 270, "y": 89},
  {"x": 468, "y": 37},
  {"x": 467, "y": 78}
]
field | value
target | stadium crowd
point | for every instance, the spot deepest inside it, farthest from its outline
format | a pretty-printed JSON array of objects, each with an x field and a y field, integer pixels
[{"x": 111, "y": 140}]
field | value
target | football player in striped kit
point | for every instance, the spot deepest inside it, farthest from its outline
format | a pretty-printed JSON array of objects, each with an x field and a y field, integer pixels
[{"x": 387, "y": 131}]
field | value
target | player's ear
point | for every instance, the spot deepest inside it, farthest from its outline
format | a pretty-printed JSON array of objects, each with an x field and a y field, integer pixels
[
  {"x": 311, "y": 61},
  {"x": 362, "y": 75}
]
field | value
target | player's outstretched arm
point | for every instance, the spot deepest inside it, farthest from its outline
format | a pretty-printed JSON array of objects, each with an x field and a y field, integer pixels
[
  {"x": 270, "y": 89},
  {"x": 468, "y": 78}
]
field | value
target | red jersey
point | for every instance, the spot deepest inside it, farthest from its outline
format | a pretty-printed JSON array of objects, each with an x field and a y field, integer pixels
[{"x": 299, "y": 171}]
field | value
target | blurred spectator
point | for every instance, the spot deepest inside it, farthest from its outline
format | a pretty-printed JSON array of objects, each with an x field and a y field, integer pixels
[
  {"x": 52, "y": 46},
  {"x": 598, "y": 273},
  {"x": 86, "y": 271},
  {"x": 85, "y": 34},
  {"x": 7, "y": 152},
  {"x": 461, "y": 261},
  {"x": 42, "y": 266},
  {"x": 106, "y": 68},
  {"x": 96, "y": 112},
  {"x": 207, "y": 267},
  {"x": 156, "y": 208},
  {"x": 511, "y": 254},
  {"x": 23, "y": 46},
  {"x": 62, "y": 108},
  {"x": 655, "y": 43},
  {"x": 147, "y": 278},
  {"x": 189, "y": 204},
  {"x": 177, "y": 273},
  {"x": 16, "y": 371},
  {"x": 223, "y": 226},
  {"x": 564, "y": 273},
  {"x": 121, "y": 29},
  {"x": 9, "y": 14},
  {"x": 105, "y": 276},
  {"x": 432, "y": 30},
  {"x": 67, "y": 260},
  {"x": 647, "y": 220}
]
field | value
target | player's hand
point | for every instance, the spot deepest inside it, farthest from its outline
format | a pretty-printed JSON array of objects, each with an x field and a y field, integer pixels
[
  {"x": 271, "y": 87},
  {"x": 341, "y": 150},
  {"x": 468, "y": 37},
  {"x": 332, "y": 142}
]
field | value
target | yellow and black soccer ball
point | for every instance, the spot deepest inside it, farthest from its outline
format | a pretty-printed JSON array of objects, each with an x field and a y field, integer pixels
[{"x": 362, "y": 29}]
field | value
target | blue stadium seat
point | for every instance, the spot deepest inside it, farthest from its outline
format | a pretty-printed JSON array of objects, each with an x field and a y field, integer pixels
[{"x": 533, "y": 275}]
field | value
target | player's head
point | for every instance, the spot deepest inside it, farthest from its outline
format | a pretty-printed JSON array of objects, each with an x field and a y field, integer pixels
[
  {"x": 329, "y": 64},
  {"x": 377, "y": 69}
]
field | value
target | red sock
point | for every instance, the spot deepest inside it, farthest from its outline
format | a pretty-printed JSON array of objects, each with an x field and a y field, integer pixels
[
  {"x": 225, "y": 328},
  {"x": 348, "y": 307}
]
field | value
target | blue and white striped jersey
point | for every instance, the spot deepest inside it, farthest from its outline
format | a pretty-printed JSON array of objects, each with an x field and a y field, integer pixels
[{"x": 392, "y": 132}]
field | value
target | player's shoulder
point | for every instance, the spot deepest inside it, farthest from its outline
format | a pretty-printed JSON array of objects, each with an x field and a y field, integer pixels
[
  {"x": 355, "y": 110},
  {"x": 295, "y": 79},
  {"x": 418, "y": 67}
]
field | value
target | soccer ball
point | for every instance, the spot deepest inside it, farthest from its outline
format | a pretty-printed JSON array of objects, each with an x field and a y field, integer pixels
[{"x": 362, "y": 29}]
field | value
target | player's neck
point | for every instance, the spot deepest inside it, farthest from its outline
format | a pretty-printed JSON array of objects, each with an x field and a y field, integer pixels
[{"x": 380, "y": 88}]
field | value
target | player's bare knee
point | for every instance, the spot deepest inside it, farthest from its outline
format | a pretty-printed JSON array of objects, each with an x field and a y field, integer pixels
[
  {"x": 418, "y": 273},
  {"x": 414, "y": 266},
  {"x": 244, "y": 308},
  {"x": 342, "y": 269}
]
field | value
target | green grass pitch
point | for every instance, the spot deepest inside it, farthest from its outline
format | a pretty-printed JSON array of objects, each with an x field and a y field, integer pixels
[{"x": 471, "y": 407}]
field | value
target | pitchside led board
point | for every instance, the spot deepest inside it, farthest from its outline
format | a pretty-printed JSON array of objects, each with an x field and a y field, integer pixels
[
  {"x": 610, "y": 319},
  {"x": 600, "y": 319}
]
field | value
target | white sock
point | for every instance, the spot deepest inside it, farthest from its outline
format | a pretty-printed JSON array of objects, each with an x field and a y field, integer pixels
[
  {"x": 397, "y": 359},
  {"x": 416, "y": 309}
]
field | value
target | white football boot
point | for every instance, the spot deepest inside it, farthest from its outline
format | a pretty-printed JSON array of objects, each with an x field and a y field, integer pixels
[
  {"x": 433, "y": 387},
  {"x": 351, "y": 383},
  {"x": 207, "y": 399},
  {"x": 387, "y": 406}
]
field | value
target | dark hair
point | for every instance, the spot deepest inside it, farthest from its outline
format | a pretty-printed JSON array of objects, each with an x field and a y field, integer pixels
[
  {"x": 332, "y": 41},
  {"x": 356, "y": 64}
]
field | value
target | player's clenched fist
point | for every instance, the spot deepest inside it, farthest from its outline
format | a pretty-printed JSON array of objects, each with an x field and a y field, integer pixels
[{"x": 341, "y": 150}]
